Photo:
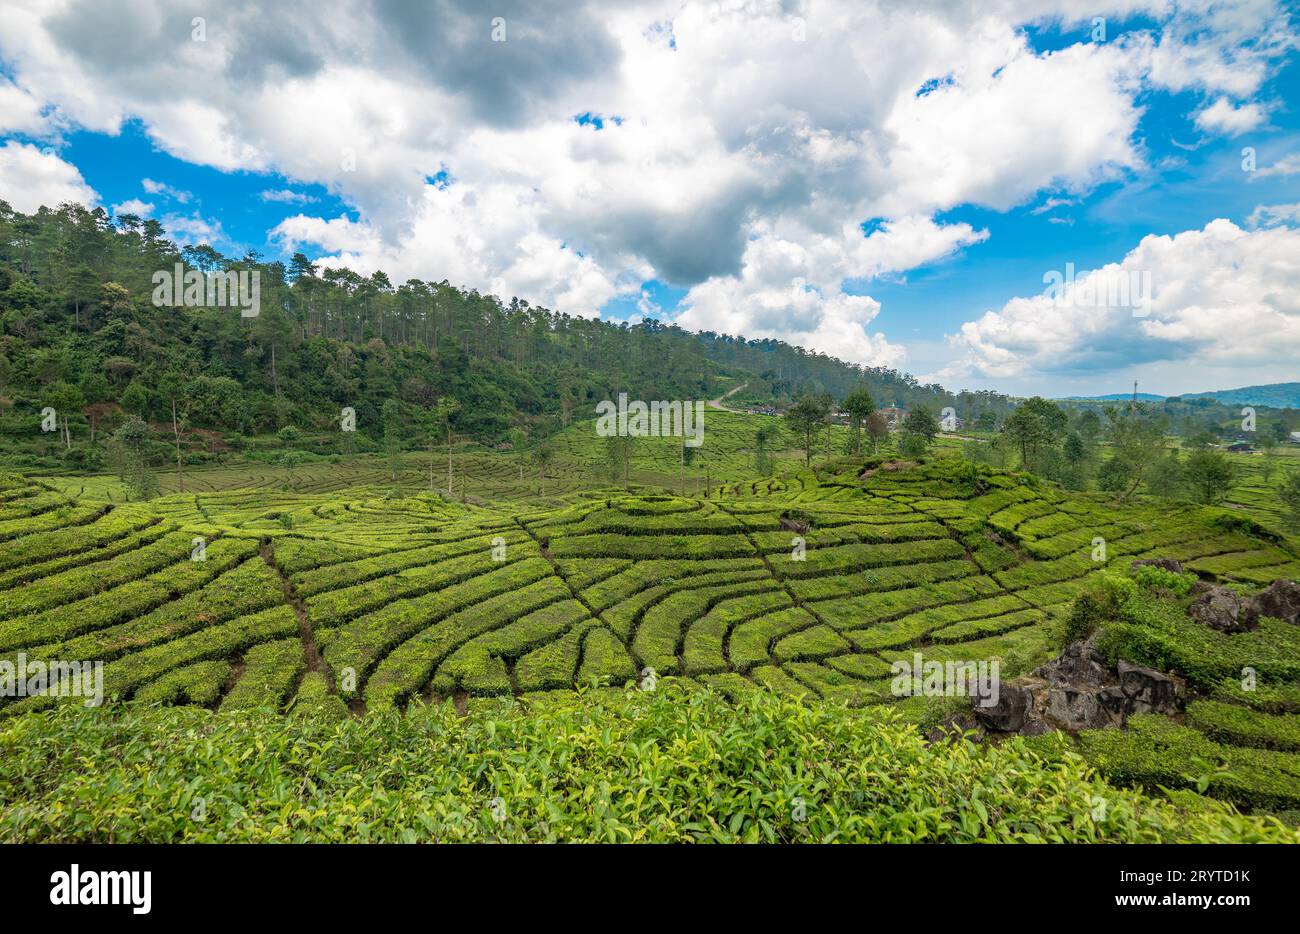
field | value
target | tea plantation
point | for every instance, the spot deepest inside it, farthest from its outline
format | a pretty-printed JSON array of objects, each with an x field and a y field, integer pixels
[{"x": 519, "y": 646}]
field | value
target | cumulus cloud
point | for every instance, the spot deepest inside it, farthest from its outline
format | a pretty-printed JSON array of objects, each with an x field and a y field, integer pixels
[
  {"x": 21, "y": 111},
  {"x": 167, "y": 191},
  {"x": 193, "y": 229},
  {"x": 1223, "y": 117},
  {"x": 1222, "y": 297},
  {"x": 791, "y": 288},
  {"x": 31, "y": 177},
  {"x": 754, "y": 137},
  {"x": 133, "y": 206},
  {"x": 286, "y": 196},
  {"x": 487, "y": 239}
]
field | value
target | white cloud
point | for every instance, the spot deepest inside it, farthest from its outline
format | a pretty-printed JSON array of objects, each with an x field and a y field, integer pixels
[
  {"x": 488, "y": 239},
  {"x": 133, "y": 206},
  {"x": 21, "y": 111},
  {"x": 31, "y": 178},
  {"x": 193, "y": 229},
  {"x": 1223, "y": 117},
  {"x": 286, "y": 196},
  {"x": 1270, "y": 215},
  {"x": 744, "y": 159},
  {"x": 1224, "y": 297},
  {"x": 792, "y": 288},
  {"x": 167, "y": 191},
  {"x": 1287, "y": 165}
]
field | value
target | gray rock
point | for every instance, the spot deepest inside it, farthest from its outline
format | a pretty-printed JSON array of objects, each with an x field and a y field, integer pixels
[
  {"x": 1008, "y": 715},
  {"x": 1080, "y": 664},
  {"x": 1077, "y": 709},
  {"x": 1080, "y": 691},
  {"x": 1147, "y": 690},
  {"x": 1113, "y": 701},
  {"x": 1281, "y": 601},
  {"x": 1221, "y": 609}
]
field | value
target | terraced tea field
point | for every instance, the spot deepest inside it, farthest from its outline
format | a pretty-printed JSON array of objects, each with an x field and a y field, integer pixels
[
  {"x": 370, "y": 601},
  {"x": 579, "y": 463}
]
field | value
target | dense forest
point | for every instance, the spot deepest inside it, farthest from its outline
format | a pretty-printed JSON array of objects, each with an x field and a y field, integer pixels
[{"x": 80, "y": 332}]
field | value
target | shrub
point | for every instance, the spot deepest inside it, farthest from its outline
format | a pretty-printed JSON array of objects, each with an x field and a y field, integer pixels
[
  {"x": 1157, "y": 578},
  {"x": 572, "y": 769}
]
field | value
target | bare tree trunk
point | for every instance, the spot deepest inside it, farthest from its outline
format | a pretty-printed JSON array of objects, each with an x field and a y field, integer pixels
[{"x": 176, "y": 432}]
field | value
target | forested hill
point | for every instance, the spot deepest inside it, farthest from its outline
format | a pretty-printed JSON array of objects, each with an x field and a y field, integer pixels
[{"x": 79, "y": 329}]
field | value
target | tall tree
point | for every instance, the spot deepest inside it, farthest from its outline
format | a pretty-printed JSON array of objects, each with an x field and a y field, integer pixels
[
  {"x": 543, "y": 454},
  {"x": 1136, "y": 441},
  {"x": 877, "y": 429},
  {"x": 1289, "y": 494},
  {"x": 1034, "y": 425},
  {"x": 807, "y": 418},
  {"x": 1209, "y": 476},
  {"x": 446, "y": 408},
  {"x": 859, "y": 405},
  {"x": 917, "y": 432}
]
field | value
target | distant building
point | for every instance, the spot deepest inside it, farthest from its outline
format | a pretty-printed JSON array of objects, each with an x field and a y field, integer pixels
[
  {"x": 1294, "y": 437},
  {"x": 893, "y": 415}
]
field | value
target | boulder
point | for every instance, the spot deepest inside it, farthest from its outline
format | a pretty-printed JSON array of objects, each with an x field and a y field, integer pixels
[
  {"x": 1079, "y": 690},
  {"x": 1080, "y": 665},
  {"x": 1221, "y": 609},
  {"x": 1168, "y": 564},
  {"x": 1147, "y": 690},
  {"x": 1281, "y": 601},
  {"x": 1077, "y": 709},
  {"x": 1009, "y": 713}
]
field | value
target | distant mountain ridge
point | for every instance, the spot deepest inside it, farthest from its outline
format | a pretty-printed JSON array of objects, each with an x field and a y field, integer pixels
[
  {"x": 1273, "y": 395},
  {"x": 1116, "y": 397}
]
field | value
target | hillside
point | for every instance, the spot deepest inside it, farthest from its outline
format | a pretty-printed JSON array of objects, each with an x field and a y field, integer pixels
[
  {"x": 339, "y": 604},
  {"x": 80, "y": 332},
  {"x": 1274, "y": 395}
]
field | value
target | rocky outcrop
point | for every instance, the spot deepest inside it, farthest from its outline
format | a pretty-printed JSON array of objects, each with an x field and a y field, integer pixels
[
  {"x": 1079, "y": 690},
  {"x": 1014, "y": 707},
  {"x": 1221, "y": 609},
  {"x": 1147, "y": 690},
  {"x": 1281, "y": 601}
]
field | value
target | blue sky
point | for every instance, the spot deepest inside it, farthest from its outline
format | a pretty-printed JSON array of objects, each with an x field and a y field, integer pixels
[{"x": 642, "y": 170}]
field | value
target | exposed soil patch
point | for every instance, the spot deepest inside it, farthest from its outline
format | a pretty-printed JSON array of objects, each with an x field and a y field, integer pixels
[
  {"x": 887, "y": 467},
  {"x": 310, "y": 651}
]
